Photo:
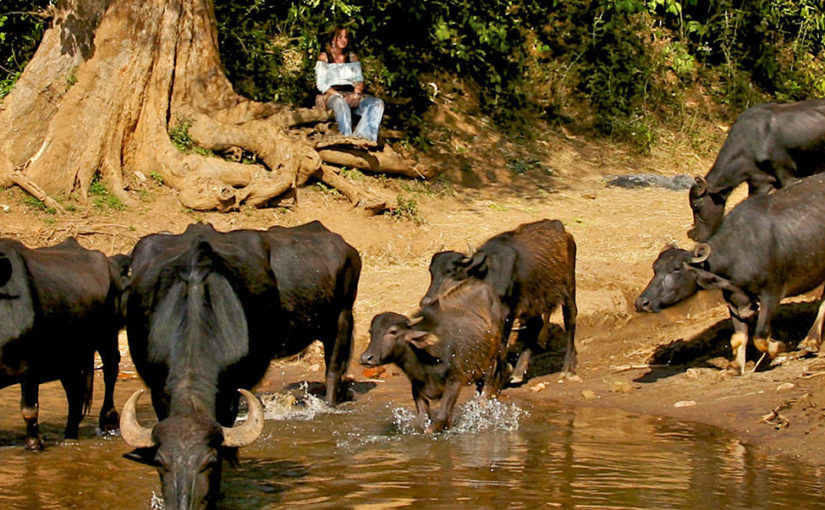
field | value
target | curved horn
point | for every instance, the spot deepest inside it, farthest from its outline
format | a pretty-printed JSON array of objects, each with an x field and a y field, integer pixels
[
  {"x": 135, "y": 435},
  {"x": 700, "y": 253},
  {"x": 249, "y": 430},
  {"x": 700, "y": 188},
  {"x": 415, "y": 320}
]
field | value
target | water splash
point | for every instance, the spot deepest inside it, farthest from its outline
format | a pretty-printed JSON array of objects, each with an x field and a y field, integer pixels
[
  {"x": 301, "y": 406},
  {"x": 476, "y": 415},
  {"x": 480, "y": 414},
  {"x": 156, "y": 502}
]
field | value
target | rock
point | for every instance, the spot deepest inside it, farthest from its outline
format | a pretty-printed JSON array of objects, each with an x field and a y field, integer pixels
[
  {"x": 589, "y": 394},
  {"x": 785, "y": 386},
  {"x": 538, "y": 387},
  {"x": 621, "y": 387},
  {"x": 685, "y": 403}
]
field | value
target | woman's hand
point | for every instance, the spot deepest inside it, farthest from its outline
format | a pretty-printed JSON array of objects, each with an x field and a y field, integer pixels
[{"x": 353, "y": 99}]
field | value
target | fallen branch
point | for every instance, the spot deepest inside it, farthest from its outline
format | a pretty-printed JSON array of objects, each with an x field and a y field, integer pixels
[
  {"x": 34, "y": 190},
  {"x": 642, "y": 366}
]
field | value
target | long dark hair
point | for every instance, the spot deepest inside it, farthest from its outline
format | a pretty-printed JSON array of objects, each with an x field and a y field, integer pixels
[{"x": 332, "y": 33}]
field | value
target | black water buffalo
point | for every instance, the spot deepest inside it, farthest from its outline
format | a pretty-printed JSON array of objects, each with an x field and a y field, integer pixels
[
  {"x": 207, "y": 311},
  {"x": 454, "y": 342},
  {"x": 532, "y": 270},
  {"x": 769, "y": 146},
  {"x": 58, "y": 305},
  {"x": 768, "y": 247}
]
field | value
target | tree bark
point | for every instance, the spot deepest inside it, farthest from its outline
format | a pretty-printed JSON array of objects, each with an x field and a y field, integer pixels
[{"x": 109, "y": 81}]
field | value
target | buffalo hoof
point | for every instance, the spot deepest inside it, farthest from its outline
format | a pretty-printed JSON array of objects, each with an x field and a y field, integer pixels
[
  {"x": 34, "y": 444},
  {"x": 735, "y": 368},
  {"x": 809, "y": 345},
  {"x": 109, "y": 422},
  {"x": 776, "y": 348}
]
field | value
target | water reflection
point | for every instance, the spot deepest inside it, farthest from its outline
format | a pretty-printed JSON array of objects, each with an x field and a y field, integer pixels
[{"x": 367, "y": 455}]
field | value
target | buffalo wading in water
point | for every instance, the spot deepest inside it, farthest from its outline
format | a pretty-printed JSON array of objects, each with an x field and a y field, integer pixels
[
  {"x": 769, "y": 146},
  {"x": 454, "y": 342},
  {"x": 58, "y": 305},
  {"x": 767, "y": 248},
  {"x": 206, "y": 313},
  {"x": 532, "y": 270}
]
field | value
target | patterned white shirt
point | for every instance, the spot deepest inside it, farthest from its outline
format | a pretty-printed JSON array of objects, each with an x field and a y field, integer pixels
[{"x": 330, "y": 74}]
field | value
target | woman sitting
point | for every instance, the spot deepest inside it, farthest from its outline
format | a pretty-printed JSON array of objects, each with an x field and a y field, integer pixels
[{"x": 339, "y": 78}]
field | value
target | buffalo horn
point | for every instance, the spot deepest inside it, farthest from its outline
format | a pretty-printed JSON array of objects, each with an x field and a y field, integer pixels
[
  {"x": 135, "y": 435},
  {"x": 701, "y": 253},
  {"x": 415, "y": 320},
  {"x": 249, "y": 430},
  {"x": 700, "y": 188}
]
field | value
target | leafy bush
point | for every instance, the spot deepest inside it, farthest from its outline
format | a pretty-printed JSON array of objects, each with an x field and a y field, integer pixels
[{"x": 22, "y": 23}]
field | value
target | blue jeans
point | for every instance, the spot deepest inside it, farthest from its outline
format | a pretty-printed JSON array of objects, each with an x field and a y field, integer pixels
[{"x": 370, "y": 109}]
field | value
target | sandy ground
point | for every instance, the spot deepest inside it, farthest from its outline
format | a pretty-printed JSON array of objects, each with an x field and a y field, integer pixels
[{"x": 665, "y": 364}]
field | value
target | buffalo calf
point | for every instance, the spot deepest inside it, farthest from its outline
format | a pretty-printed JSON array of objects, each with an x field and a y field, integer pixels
[
  {"x": 532, "y": 270},
  {"x": 455, "y": 341}
]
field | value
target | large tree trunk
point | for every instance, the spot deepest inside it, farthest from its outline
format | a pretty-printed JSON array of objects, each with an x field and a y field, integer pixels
[{"x": 109, "y": 80}]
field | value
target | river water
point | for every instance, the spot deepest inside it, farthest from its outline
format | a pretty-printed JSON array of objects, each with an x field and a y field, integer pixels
[{"x": 366, "y": 455}]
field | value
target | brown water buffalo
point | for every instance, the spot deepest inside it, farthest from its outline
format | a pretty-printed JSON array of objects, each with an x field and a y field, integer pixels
[
  {"x": 532, "y": 270},
  {"x": 455, "y": 341}
]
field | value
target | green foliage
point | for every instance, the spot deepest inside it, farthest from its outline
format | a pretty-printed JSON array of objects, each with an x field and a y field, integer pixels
[
  {"x": 102, "y": 199},
  {"x": 22, "y": 23},
  {"x": 37, "y": 205},
  {"x": 406, "y": 208},
  {"x": 179, "y": 135},
  {"x": 156, "y": 177},
  {"x": 618, "y": 65}
]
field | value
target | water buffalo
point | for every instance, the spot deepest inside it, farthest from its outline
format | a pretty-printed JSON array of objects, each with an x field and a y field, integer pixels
[
  {"x": 532, "y": 270},
  {"x": 206, "y": 313},
  {"x": 769, "y": 146},
  {"x": 58, "y": 305},
  {"x": 768, "y": 247},
  {"x": 454, "y": 342}
]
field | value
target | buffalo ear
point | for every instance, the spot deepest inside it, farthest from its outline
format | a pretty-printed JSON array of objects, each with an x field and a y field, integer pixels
[
  {"x": 478, "y": 265},
  {"x": 420, "y": 339},
  {"x": 143, "y": 455},
  {"x": 708, "y": 280}
]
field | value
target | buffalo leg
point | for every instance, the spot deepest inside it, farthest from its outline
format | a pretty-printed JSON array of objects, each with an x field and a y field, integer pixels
[
  {"x": 494, "y": 377},
  {"x": 528, "y": 338},
  {"x": 109, "y": 418},
  {"x": 813, "y": 339},
  {"x": 29, "y": 409},
  {"x": 739, "y": 343},
  {"x": 443, "y": 418},
  {"x": 569, "y": 312},
  {"x": 762, "y": 334},
  {"x": 75, "y": 384},
  {"x": 422, "y": 408},
  {"x": 337, "y": 357}
]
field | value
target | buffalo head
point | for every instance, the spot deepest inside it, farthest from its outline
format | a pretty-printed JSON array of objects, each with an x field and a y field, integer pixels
[
  {"x": 390, "y": 333},
  {"x": 674, "y": 280},
  {"x": 447, "y": 270},
  {"x": 187, "y": 450},
  {"x": 708, "y": 211}
]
